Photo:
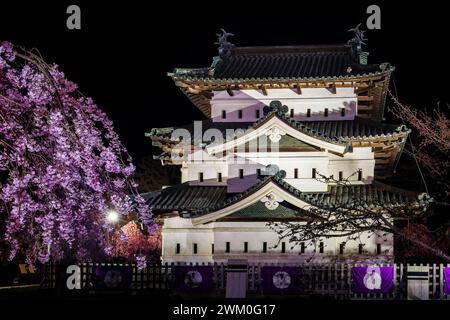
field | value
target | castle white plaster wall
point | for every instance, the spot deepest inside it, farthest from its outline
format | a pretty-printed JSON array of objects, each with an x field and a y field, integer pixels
[
  {"x": 325, "y": 163},
  {"x": 315, "y": 99},
  {"x": 180, "y": 230}
]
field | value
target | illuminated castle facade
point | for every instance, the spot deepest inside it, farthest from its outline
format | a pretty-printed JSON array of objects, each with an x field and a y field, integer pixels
[{"x": 284, "y": 125}]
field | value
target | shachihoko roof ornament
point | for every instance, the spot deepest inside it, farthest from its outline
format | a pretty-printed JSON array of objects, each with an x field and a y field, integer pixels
[
  {"x": 358, "y": 39},
  {"x": 356, "y": 44},
  {"x": 224, "y": 45}
]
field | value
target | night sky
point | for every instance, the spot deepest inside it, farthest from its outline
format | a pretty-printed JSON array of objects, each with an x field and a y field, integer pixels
[{"x": 121, "y": 55}]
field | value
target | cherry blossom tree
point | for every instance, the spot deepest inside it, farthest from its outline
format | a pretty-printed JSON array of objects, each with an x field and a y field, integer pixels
[
  {"x": 62, "y": 166},
  {"x": 431, "y": 151},
  {"x": 130, "y": 241},
  {"x": 433, "y": 148}
]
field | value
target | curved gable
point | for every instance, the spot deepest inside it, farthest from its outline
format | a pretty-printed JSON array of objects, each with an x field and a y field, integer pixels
[
  {"x": 270, "y": 193},
  {"x": 274, "y": 128}
]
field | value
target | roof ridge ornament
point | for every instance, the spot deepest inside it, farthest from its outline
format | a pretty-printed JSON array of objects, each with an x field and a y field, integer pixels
[
  {"x": 224, "y": 45},
  {"x": 357, "y": 42}
]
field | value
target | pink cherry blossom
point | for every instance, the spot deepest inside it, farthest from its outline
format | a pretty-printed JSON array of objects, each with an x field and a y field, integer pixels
[{"x": 62, "y": 165}]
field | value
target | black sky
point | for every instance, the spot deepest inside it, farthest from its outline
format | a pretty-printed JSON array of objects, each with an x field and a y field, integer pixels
[{"x": 124, "y": 50}]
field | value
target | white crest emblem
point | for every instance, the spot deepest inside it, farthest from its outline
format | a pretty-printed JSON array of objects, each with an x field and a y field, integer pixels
[
  {"x": 281, "y": 280},
  {"x": 372, "y": 279},
  {"x": 112, "y": 279},
  {"x": 193, "y": 279}
]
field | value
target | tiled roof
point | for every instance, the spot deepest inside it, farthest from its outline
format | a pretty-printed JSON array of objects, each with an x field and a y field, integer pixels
[
  {"x": 191, "y": 198},
  {"x": 334, "y": 131},
  {"x": 357, "y": 129},
  {"x": 285, "y": 62},
  {"x": 199, "y": 200}
]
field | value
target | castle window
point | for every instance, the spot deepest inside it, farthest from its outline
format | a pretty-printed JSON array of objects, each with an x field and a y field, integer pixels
[
  {"x": 308, "y": 113},
  {"x": 302, "y": 247},
  {"x": 178, "y": 249},
  {"x": 264, "y": 247},
  {"x": 325, "y": 112},
  {"x": 257, "y": 114},
  {"x": 321, "y": 247},
  {"x": 241, "y": 173},
  {"x": 245, "y": 247},
  {"x": 341, "y": 248},
  {"x": 212, "y": 248},
  {"x": 342, "y": 112},
  {"x": 360, "y": 248},
  {"x": 258, "y": 173},
  {"x": 240, "y": 114},
  {"x": 283, "y": 247},
  {"x": 194, "y": 248},
  {"x": 219, "y": 176},
  {"x": 314, "y": 173},
  {"x": 227, "y": 247},
  {"x": 200, "y": 176},
  {"x": 224, "y": 114},
  {"x": 292, "y": 113},
  {"x": 341, "y": 175},
  {"x": 360, "y": 175},
  {"x": 378, "y": 248},
  {"x": 295, "y": 173}
]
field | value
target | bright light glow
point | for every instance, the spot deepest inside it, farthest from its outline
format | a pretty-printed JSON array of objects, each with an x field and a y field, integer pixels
[{"x": 112, "y": 216}]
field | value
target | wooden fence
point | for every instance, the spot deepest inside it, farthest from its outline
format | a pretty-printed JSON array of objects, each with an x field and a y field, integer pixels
[{"x": 327, "y": 280}]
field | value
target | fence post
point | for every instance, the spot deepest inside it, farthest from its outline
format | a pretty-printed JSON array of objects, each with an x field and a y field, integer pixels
[
  {"x": 237, "y": 275},
  {"x": 418, "y": 282}
]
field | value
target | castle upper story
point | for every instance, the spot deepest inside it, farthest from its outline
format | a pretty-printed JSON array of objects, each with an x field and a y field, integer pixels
[
  {"x": 321, "y": 82},
  {"x": 313, "y": 112}
]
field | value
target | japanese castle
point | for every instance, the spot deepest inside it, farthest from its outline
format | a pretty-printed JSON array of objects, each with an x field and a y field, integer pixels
[{"x": 278, "y": 119}]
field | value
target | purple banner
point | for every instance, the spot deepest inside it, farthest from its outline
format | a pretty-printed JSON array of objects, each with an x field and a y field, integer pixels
[
  {"x": 446, "y": 280},
  {"x": 113, "y": 277},
  {"x": 194, "y": 278},
  {"x": 281, "y": 279},
  {"x": 372, "y": 279}
]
